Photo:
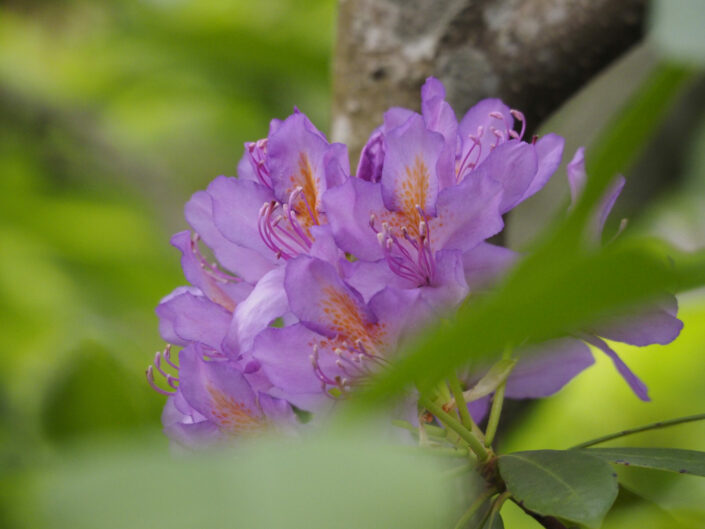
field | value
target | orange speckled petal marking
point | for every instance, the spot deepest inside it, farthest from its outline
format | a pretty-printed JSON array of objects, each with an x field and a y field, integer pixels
[
  {"x": 413, "y": 188},
  {"x": 307, "y": 205},
  {"x": 348, "y": 318},
  {"x": 409, "y": 175},
  {"x": 232, "y": 416},
  {"x": 325, "y": 304}
]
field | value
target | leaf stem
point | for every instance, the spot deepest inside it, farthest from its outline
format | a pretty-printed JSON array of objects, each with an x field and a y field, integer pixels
[
  {"x": 652, "y": 426},
  {"x": 496, "y": 410},
  {"x": 479, "y": 502},
  {"x": 453, "y": 424},
  {"x": 431, "y": 431},
  {"x": 460, "y": 403},
  {"x": 496, "y": 507}
]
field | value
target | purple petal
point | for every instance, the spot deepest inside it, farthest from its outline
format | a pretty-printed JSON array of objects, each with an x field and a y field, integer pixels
[
  {"x": 236, "y": 210},
  {"x": 368, "y": 278},
  {"x": 577, "y": 178},
  {"x": 479, "y": 121},
  {"x": 186, "y": 317},
  {"x": 513, "y": 165},
  {"x": 277, "y": 410},
  {"x": 437, "y": 113},
  {"x": 656, "y": 324},
  {"x": 576, "y": 175},
  {"x": 486, "y": 263},
  {"x": 299, "y": 156},
  {"x": 549, "y": 152},
  {"x": 221, "y": 289},
  {"x": 544, "y": 369},
  {"x": 449, "y": 287},
  {"x": 638, "y": 387},
  {"x": 167, "y": 317},
  {"x": 219, "y": 391},
  {"x": 245, "y": 262},
  {"x": 285, "y": 355},
  {"x": 266, "y": 302},
  {"x": 607, "y": 204},
  {"x": 369, "y": 167},
  {"x": 409, "y": 176},
  {"x": 323, "y": 302},
  {"x": 324, "y": 246},
  {"x": 336, "y": 164},
  {"x": 396, "y": 117},
  {"x": 467, "y": 214},
  {"x": 245, "y": 170},
  {"x": 349, "y": 207},
  {"x": 439, "y": 117},
  {"x": 396, "y": 311},
  {"x": 184, "y": 429}
]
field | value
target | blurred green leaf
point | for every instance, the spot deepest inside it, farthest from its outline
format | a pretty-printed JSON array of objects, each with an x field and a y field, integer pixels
[
  {"x": 669, "y": 459},
  {"x": 677, "y": 29},
  {"x": 320, "y": 483},
  {"x": 570, "y": 485},
  {"x": 539, "y": 301},
  {"x": 95, "y": 394}
]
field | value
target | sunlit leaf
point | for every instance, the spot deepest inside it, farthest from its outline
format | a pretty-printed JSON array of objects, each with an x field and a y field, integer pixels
[
  {"x": 669, "y": 459},
  {"x": 569, "y": 485}
]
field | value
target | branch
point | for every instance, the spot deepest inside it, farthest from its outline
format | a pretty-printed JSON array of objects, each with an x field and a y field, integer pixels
[{"x": 534, "y": 54}]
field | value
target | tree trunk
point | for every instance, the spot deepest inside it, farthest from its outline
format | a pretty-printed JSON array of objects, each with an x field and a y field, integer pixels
[{"x": 533, "y": 54}]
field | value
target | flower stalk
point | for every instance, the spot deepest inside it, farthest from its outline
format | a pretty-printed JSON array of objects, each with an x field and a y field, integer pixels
[{"x": 453, "y": 424}]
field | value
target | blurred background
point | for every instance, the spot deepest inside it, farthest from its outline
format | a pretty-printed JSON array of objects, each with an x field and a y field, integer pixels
[{"x": 113, "y": 113}]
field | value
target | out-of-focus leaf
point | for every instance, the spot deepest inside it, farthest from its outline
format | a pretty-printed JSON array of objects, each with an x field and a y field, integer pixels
[
  {"x": 669, "y": 459},
  {"x": 319, "y": 483},
  {"x": 569, "y": 485},
  {"x": 677, "y": 29},
  {"x": 95, "y": 394},
  {"x": 539, "y": 303},
  {"x": 625, "y": 137}
]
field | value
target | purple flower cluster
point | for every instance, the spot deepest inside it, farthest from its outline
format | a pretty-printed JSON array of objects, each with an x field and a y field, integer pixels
[{"x": 323, "y": 273}]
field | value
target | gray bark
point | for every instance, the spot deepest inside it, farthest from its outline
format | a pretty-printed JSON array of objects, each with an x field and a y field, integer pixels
[{"x": 534, "y": 54}]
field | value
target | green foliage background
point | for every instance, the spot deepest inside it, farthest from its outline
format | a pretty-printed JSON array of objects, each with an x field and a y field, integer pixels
[{"x": 111, "y": 114}]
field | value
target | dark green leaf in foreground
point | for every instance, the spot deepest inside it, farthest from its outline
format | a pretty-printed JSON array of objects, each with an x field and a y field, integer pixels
[
  {"x": 570, "y": 485},
  {"x": 669, "y": 459}
]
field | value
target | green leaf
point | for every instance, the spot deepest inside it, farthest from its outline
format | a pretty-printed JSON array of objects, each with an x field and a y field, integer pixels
[
  {"x": 539, "y": 302},
  {"x": 669, "y": 459},
  {"x": 570, "y": 485},
  {"x": 317, "y": 483},
  {"x": 677, "y": 29}
]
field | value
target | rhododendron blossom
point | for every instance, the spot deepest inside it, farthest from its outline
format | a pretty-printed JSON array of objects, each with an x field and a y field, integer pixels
[{"x": 323, "y": 275}]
